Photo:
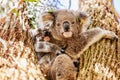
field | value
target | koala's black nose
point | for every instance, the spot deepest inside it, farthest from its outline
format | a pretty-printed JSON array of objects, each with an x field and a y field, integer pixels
[
  {"x": 46, "y": 33},
  {"x": 66, "y": 25}
]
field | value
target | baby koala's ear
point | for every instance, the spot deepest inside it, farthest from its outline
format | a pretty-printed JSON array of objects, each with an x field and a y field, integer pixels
[
  {"x": 48, "y": 19},
  {"x": 84, "y": 20}
]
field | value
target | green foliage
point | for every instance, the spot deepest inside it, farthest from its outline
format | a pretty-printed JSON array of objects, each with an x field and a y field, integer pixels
[
  {"x": 51, "y": 10},
  {"x": 15, "y": 12},
  {"x": 31, "y": 0}
]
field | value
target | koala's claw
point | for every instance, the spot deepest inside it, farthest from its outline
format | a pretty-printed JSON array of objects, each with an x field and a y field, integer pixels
[
  {"x": 111, "y": 35},
  {"x": 60, "y": 52},
  {"x": 115, "y": 38}
]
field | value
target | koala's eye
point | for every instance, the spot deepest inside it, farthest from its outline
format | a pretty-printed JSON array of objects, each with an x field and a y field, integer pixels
[
  {"x": 73, "y": 22},
  {"x": 58, "y": 24}
]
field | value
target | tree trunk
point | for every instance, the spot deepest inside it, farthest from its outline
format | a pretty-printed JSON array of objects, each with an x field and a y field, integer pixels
[
  {"x": 17, "y": 56},
  {"x": 102, "y": 60}
]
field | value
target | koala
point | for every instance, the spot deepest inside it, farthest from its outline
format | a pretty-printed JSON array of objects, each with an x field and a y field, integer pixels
[
  {"x": 69, "y": 30},
  {"x": 45, "y": 51}
]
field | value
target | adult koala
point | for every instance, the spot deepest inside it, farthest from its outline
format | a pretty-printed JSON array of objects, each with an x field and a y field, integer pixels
[{"x": 69, "y": 31}]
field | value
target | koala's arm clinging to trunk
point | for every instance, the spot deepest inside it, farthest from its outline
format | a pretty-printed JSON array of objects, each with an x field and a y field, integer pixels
[{"x": 89, "y": 37}]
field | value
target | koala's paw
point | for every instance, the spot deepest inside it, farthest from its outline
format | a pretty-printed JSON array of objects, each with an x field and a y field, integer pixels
[
  {"x": 58, "y": 52},
  {"x": 111, "y": 35},
  {"x": 115, "y": 38}
]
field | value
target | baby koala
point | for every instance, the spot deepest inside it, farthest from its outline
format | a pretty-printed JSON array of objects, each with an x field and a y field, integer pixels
[
  {"x": 45, "y": 51},
  {"x": 69, "y": 31}
]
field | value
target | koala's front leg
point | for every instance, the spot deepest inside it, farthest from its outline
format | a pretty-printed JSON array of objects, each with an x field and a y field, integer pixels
[
  {"x": 43, "y": 46},
  {"x": 93, "y": 35}
]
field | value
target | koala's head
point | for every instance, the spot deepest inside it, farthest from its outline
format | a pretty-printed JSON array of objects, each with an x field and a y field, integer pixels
[
  {"x": 40, "y": 35},
  {"x": 63, "y": 24}
]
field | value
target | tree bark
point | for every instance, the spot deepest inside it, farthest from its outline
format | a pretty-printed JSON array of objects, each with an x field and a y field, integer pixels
[
  {"x": 17, "y": 55},
  {"x": 102, "y": 60}
]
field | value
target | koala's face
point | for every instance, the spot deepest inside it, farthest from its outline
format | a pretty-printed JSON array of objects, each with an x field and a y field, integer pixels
[
  {"x": 40, "y": 35},
  {"x": 65, "y": 25}
]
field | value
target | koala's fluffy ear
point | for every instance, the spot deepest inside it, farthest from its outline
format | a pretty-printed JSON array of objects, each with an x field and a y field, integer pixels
[
  {"x": 48, "y": 19},
  {"x": 84, "y": 20}
]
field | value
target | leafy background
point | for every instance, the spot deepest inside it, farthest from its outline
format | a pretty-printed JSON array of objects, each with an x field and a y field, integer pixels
[{"x": 36, "y": 7}]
